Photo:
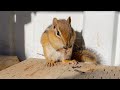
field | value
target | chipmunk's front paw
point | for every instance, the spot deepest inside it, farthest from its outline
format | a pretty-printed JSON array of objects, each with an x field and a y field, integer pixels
[
  {"x": 74, "y": 62},
  {"x": 51, "y": 63}
]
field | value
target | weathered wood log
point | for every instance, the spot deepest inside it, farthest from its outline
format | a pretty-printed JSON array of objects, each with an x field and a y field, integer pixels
[
  {"x": 7, "y": 61},
  {"x": 36, "y": 69}
]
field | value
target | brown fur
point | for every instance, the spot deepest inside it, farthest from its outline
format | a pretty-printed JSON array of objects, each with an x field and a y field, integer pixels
[{"x": 53, "y": 44}]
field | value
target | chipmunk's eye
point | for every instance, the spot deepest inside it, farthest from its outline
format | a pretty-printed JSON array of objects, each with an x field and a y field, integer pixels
[{"x": 58, "y": 33}]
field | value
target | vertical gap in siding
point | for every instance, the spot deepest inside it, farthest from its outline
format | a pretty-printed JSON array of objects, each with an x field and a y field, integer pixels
[
  {"x": 117, "y": 55},
  {"x": 115, "y": 35}
]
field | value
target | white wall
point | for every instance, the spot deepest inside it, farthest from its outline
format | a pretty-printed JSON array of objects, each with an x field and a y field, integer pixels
[
  {"x": 100, "y": 33},
  {"x": 39, "y": 22}
]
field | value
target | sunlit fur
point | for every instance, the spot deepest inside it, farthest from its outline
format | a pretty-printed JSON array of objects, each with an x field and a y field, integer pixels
[{"x": 53, "y": 45}]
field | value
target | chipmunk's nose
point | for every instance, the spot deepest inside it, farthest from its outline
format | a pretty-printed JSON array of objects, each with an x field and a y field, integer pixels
[{"x": 67, "y": 46}]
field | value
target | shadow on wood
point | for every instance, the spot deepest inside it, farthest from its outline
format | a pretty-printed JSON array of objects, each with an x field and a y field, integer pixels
[{"x": 7, "y": 61}]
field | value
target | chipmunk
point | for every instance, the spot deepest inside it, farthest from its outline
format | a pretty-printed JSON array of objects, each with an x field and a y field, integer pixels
[{"x": 59, "y": 44}]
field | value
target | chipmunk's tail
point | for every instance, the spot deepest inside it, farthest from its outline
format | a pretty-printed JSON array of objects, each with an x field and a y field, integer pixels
[{"x": 87, "y": 55}]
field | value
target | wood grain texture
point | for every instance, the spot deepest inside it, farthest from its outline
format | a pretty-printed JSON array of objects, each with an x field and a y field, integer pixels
[{"x": 36, "y": 69}]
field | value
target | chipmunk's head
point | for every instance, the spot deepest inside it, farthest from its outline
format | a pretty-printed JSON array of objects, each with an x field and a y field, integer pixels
[{"x": 63, "y": 32}]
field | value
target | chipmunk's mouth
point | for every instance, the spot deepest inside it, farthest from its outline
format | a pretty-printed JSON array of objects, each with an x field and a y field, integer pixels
[{"x": 60, "y": 49}]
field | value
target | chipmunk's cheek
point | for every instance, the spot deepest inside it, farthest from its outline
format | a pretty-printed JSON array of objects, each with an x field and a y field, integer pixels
[{"x": 59, "y": 45}]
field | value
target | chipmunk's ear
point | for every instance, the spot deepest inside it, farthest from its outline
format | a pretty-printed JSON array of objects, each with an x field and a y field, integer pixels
[
  {"x": 69, "y": 20},
  {"x": 54, "y": 21}
]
